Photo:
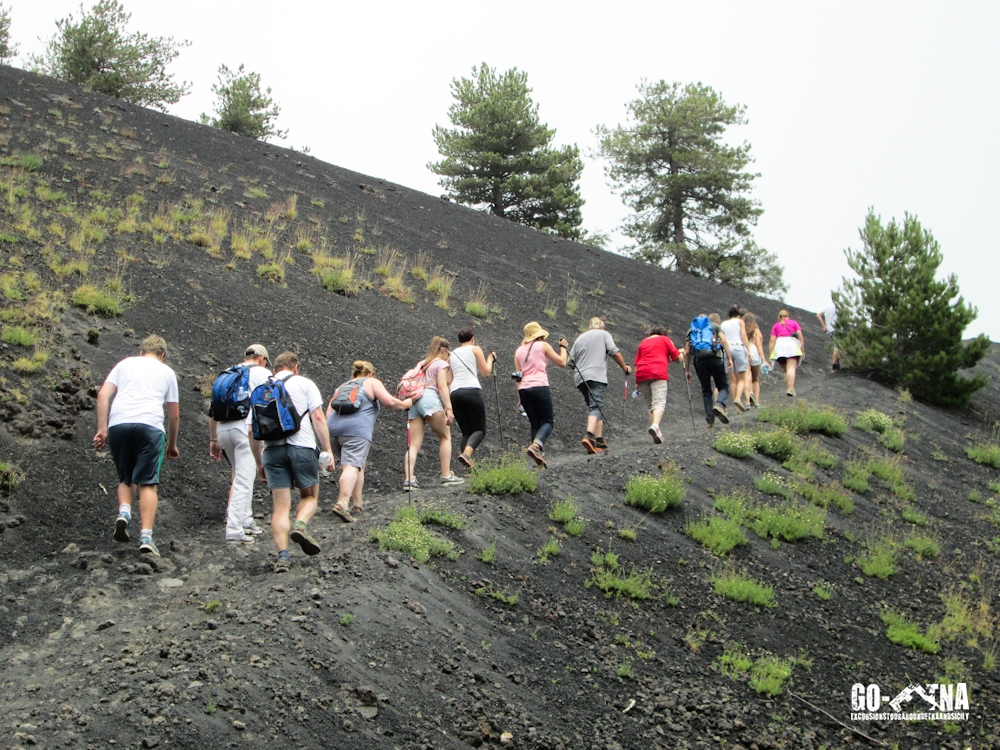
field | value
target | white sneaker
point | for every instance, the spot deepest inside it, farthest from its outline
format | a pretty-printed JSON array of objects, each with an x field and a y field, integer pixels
[
  {"x": 654, "y": 430},
  {"x": 243, "y": 538},
  {"x": 253, "y": 528},
  {"x": 452, "y": 479}
]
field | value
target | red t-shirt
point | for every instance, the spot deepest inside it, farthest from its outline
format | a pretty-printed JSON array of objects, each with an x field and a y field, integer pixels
[{"x": 652, "y": 358}]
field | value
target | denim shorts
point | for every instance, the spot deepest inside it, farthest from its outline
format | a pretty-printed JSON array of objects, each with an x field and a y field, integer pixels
[
  {"x": 287, "y": 466},
  {"x": 740, "y": 361},
  {"x": 427, "y": 405},
  {"x": 350, "y": 451}
]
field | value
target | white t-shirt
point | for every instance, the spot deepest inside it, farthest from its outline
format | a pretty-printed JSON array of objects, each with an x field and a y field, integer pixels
[
  {"x": 144, "y": 384},
  {"x": 305, "y": 397},
  {"x": 464, "y": 369},
  {"x": 830, "y": 316},
  {"x": 258, "y": 375}
]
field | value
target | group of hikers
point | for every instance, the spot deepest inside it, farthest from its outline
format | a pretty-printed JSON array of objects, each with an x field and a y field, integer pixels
[{"x": 273, "y": 426}]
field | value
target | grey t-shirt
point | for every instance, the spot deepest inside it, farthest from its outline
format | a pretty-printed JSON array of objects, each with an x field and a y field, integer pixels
[{"x": 590, "y": 352}]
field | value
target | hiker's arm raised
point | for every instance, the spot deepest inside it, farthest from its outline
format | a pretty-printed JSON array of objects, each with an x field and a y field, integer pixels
[
  {"x": 562, "y": 357},
  {"x": 484, "y": 363}
]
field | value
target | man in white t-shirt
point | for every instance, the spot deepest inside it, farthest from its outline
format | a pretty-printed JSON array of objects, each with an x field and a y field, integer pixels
[
  {"x": 293, "y": 462},
  {"x": 130, "y": 422},
  {"x": 828, "y": 319},
  {"x": 231, "y": 440}
]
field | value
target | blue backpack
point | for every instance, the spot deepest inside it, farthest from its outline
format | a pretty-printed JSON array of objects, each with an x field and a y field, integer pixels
[
  {"x": 702, "y": 338},
  {"x": 231, "y": 394},
  {"x": 274, "y": 415}
]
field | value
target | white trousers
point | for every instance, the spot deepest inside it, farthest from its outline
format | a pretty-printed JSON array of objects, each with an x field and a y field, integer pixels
[{"x": 236, "y": 445}]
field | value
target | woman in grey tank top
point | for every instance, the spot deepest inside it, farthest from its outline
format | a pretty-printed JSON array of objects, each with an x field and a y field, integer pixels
[{"x": 351, "y": 434}]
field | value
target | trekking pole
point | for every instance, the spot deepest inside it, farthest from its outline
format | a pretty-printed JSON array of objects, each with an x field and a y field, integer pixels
[
  {"x": 624, "y": 403},
  {"x": 496, "y": 393},
  {"x": 690, "y": 407},
  {"x": 409, "y": 470}
]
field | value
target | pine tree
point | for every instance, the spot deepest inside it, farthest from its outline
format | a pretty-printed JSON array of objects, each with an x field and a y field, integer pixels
[
  {"x": 688, "y": 188},
  {"x": 98, "y": 53},
  {"x": 8, "y": 50},
  {"x": 900, "y": 323},
  {"x": 499, "y": 156},
  {"x": 242, "y": 107}
]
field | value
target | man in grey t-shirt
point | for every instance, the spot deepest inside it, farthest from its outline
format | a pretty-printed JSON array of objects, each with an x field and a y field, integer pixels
[
  {"x": 828, "y": 319},
  {"x": 589, "y": 360}
]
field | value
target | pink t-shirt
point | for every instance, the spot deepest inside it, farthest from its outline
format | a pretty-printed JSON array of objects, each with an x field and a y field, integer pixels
[
  {"x": 533, "y": 364},
  {"x": 431, "y": 373},
  {"x": 788, "y": 328}
]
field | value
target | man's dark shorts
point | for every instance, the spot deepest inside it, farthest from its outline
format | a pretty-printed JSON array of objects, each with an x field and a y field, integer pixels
[
  {"x": 137, "y": 450},
  {"x": 287, "y": 466},
  {"x": 593, "y": 394}
]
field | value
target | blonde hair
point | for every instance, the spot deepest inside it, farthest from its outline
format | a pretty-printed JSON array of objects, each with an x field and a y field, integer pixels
[
  {"x": 153, "y": 344},
  {"x": 751, "y": 322},
  {"x": 783, "y": 314},
  {"x": 434, "y": 351},
  {"x": 596, "y": 322},
  {"x": 362, "y": 367},
  {"x": 714, "y": 317},
  {"x": 286, "y": 361}
]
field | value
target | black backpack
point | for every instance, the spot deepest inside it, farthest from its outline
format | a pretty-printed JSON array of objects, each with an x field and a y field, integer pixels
[
  {"x": 348, "y": 399},
  {"x": 231, "y": 394}
]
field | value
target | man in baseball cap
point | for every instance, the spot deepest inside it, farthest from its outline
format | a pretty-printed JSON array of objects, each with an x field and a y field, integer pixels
[{"x": 229, "y": 438}]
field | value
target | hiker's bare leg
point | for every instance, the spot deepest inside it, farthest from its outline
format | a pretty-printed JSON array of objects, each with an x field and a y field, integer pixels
[
  {"x": 147, "y": 505},
  {"x": 280, "y": 522},
  {"x": 416, "y": 440},
  {"x": 439, "y": 423},
  {"x": 308, "y": 503}
]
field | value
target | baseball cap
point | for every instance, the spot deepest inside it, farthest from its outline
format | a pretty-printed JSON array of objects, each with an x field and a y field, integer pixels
[{"x": 257, "y": 350}]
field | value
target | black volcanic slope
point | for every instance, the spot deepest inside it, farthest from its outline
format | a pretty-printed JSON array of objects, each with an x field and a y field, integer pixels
[{"x": 361, "y": 647}]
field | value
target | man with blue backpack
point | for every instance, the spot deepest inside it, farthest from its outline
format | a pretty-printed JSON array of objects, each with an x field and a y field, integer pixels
[
  {"x": 707, "y": 347},
  {"x": 288, "y": 419},
  {"x": 229, "y": 421}
]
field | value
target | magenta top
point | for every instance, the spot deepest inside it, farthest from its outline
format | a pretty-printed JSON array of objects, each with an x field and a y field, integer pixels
[
  {"x": 787, "y": 328},
  {"x": 532, "y": 364}
]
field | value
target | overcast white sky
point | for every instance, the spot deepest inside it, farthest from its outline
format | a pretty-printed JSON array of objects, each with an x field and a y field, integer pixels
[{"x": 851, "y": 105}]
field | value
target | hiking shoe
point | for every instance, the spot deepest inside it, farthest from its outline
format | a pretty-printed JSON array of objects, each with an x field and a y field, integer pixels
[
  {"x": 720, "y": 413},
  {"x": 710, "y": 425},
  {"x": 121, "y": 527},
  {"x": 590, "y": 444},
  {"x": 835, "y": 367},
  {"x": 301, "y": 537},
  {"x": 740, "y": 405},
  {"x": 253, "y": 528},
  {"x": 452, "y": 479},
  {"x": 345, "y": 516},
  {"x": 410, "y": 484},
  {"x": 537, "y": 455},
  {"x": 752, "y": 400},
  {"x": 147, "y": 547},
  {"x": 520, "y": 408},
  {"x": 654, "y": 430},
  {"x": 600, "y": 444},
  {"x": 466, "y": 461},
  {"x": 242, "y": 538},
  {"x": 282, "y": 564},
  {"x": 790, "y": 393}
]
